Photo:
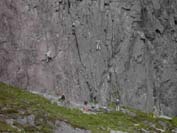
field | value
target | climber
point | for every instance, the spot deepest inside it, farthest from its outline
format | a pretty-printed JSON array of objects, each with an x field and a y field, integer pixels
[
  {"x": 62, "y": 98},
  {"x": 49, "y": 56},
  {"x": 85, "y": 106},
  {"x": 106, "y": 3},
  {"x": 98, "y": 47},
  {"x": 155, "y": 112},
  {"x": 94, "y": 104},
  {"x": 73, "y": 28},
  {"x": 117, "y": 104},
  {"x": 94, "y": 100},
  {"x": 60, "y": 1},
  {"x": 142, "y": 35}
]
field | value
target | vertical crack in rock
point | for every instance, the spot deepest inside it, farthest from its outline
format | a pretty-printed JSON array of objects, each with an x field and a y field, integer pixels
[{"x": 77, "y": 46}]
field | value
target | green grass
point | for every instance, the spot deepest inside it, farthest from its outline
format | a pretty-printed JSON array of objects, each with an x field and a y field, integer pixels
[
  {"x": 15, "y": 102},
  {"x": 6, "y": 128}
]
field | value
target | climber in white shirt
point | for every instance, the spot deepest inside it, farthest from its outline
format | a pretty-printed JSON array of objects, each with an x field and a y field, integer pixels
[{"x": 49, "y": 55}]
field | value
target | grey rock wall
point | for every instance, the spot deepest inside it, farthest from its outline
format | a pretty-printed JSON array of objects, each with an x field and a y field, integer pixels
[
  {"x": 98, "y": 48},
  {"x": 62, "y": 127}
]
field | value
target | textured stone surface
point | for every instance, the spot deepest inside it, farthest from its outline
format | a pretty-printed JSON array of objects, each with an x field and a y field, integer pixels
[
  {"x": 102, "y": 48},
  {"x": 62, "y": 127}
]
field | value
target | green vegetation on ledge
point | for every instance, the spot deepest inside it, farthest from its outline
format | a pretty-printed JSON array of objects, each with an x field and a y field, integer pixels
[{"x": 17, "y": 104}]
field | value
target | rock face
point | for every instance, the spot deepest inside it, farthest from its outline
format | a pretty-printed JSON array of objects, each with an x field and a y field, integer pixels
[
  {"x": 63, "y": 127},
  {"x": 93, "y": 48}
]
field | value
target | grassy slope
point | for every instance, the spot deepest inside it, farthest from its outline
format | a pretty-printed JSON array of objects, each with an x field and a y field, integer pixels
[{"x": 16, "y": 102}]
